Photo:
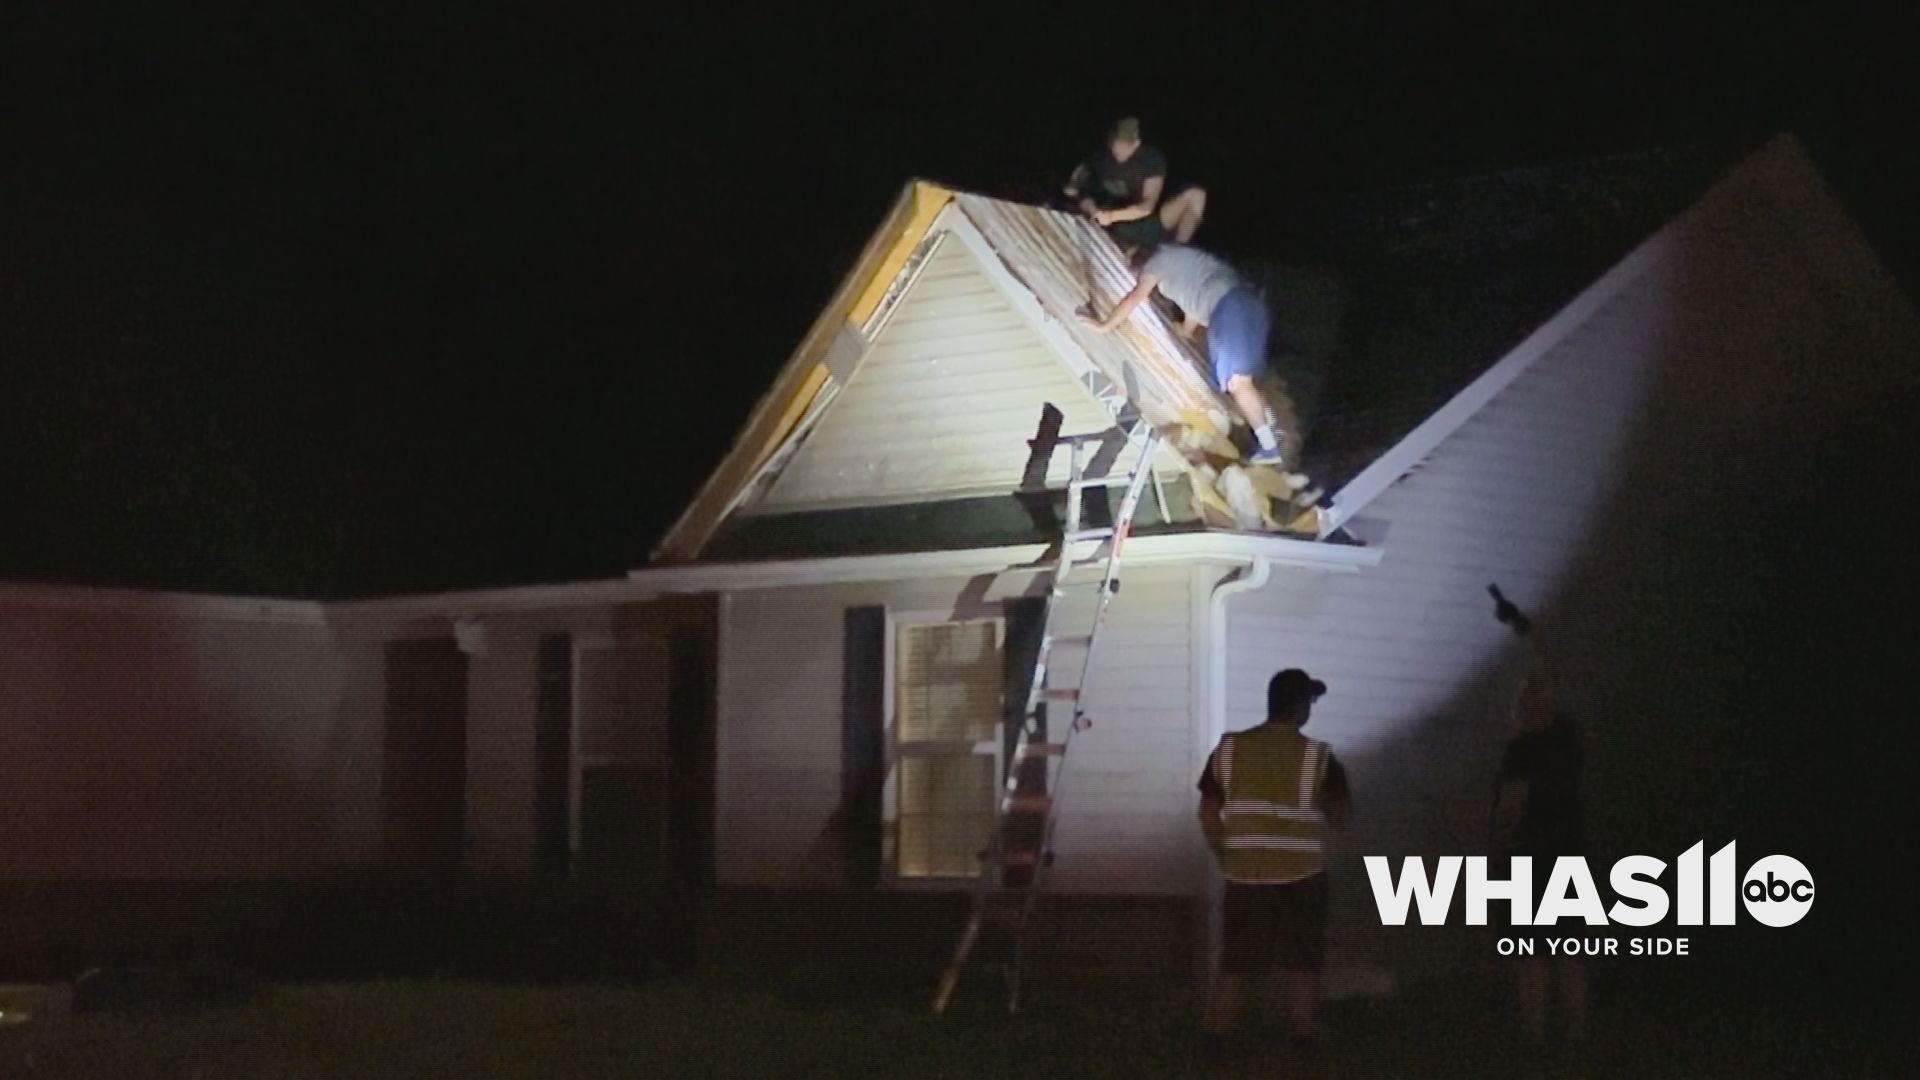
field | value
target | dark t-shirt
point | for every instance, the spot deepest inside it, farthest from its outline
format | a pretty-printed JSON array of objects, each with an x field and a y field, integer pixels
[
  {"x": 1552, "y": 823},
  {"x": 1114, "y": 184}
]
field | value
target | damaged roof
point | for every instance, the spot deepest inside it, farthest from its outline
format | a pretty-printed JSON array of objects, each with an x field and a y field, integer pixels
[
  {"x": 1057, "y": 263},
  {"x": 1418, "y": 291},
  {"x": 1067, "y": 262}
]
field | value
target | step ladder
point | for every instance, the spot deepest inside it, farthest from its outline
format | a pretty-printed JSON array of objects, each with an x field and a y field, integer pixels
[{"x": 1013, "y": 868}]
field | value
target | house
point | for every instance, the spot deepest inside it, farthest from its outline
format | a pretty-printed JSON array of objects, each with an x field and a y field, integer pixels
[{"x": 738, "y": 711}]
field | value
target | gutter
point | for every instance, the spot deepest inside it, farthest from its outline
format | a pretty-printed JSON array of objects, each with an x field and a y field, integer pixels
[
  {"x": 1142, "y": 550},
  {"x": 145, "y": 603},
  {"x": 1213, "y": 546}
]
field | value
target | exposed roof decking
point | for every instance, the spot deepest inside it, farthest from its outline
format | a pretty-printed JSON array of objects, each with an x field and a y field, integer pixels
[{"x": 1065, "y": 261}]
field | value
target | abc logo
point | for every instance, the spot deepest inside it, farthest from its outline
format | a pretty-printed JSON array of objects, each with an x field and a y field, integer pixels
[{"x": 1778, "y": 890}]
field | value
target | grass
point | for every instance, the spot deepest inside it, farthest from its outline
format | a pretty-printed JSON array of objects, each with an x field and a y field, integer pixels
[{"x": 835, "y": 1023}]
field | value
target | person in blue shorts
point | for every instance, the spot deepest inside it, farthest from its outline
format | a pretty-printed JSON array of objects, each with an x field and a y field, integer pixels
[{"x": 1212, "y": 294}]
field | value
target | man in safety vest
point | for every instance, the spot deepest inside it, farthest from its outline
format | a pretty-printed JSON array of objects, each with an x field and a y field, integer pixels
[{"x": 1266, "y": 800}]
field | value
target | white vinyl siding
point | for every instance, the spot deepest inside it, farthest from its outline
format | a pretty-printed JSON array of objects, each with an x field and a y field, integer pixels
[
  {"x": 1410, "y": 647},
  {"x": 1607, "y": 490},
  {"x": 943, "y": 404},
  {"x": 1127, "y": 814},
  {"x": 185, "y": 745}
]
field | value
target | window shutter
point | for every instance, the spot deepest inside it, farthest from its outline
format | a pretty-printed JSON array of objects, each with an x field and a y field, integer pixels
[
  {"x": 690, "y": 747},
  {"x": 863, "y": 742},
  {"x": 553, "y": 732}
]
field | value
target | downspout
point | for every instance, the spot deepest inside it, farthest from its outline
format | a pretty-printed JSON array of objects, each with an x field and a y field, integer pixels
[{"x": 1243, "y": 579}]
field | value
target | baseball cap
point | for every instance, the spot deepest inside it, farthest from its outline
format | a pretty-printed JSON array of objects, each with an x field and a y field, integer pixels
[{"x": 1292, "y": 686}]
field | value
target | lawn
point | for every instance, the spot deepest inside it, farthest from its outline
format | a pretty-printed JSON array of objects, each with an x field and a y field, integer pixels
[{"x": 835, "y": 1024}]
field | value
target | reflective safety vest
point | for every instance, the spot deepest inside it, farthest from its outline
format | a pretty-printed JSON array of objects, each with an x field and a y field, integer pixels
[{"x": 1275, "y": 830}]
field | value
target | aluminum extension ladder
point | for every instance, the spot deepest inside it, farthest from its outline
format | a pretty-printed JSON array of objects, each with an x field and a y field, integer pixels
[{"x": 1013, "y": 868}]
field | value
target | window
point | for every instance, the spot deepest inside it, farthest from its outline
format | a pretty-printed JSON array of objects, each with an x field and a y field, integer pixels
[
  {"x": 618, "y": 807},
  {"x": 945, "y": 725}
]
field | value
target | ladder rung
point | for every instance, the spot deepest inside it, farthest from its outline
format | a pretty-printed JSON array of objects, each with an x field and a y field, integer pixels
[
  {"x": 1079, "y": 641},
  {"x": 1091, "y": 436},
  {"x": 1040, "y": 749},
  {"x": 1061, "y": 693},
  {"x": 1083, "y": 483},
  {"x": 1109, "y": 480},
  {"x": 1084, "y": 535}
]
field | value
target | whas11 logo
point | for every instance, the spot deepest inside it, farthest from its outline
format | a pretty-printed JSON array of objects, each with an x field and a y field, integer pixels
[{"x": 1777, "y": 890}]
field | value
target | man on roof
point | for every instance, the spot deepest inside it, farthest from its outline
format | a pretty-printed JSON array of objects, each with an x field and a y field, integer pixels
[
  {"x": 1211, "y": 294},
  {"x": 1122, "y": 187}
]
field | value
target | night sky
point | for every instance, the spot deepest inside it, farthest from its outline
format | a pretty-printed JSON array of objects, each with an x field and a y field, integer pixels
[{"x": 293, "y": 303}]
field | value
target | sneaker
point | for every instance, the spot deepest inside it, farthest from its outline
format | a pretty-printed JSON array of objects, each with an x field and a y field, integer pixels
[{"x": 1266, "y": 457}]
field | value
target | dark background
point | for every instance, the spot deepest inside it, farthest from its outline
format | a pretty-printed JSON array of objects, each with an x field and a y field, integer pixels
[{"x": 301, "y": 303}]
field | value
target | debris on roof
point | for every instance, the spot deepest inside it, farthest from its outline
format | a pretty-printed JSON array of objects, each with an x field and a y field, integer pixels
[
  {"x": 1068, "y": 263},
  {"x": 1433, "y": 285}
]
